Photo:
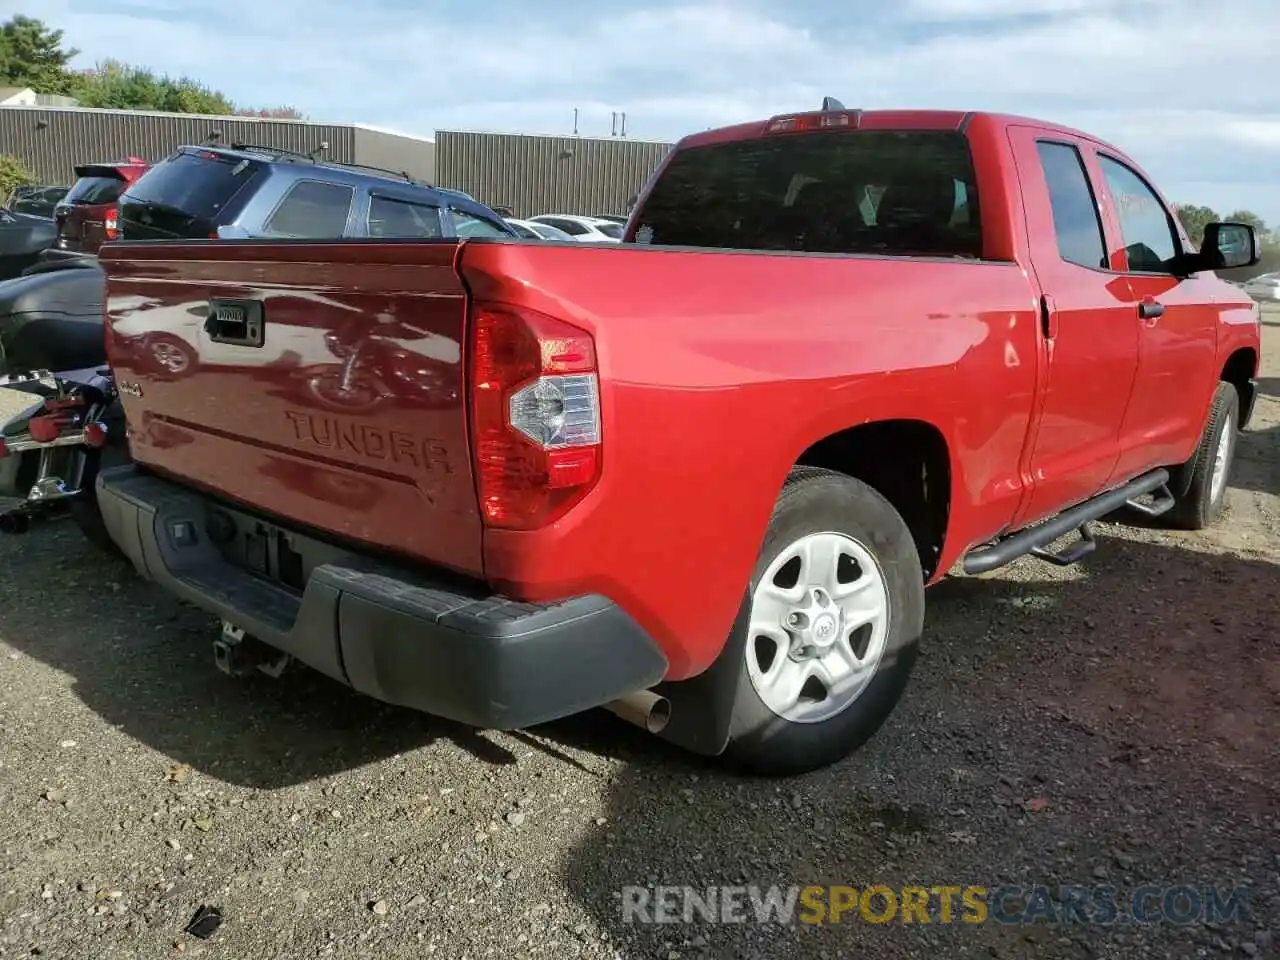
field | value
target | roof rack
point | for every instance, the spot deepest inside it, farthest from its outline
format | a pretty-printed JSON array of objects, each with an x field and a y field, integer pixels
[{"x": 312, "y": 157}]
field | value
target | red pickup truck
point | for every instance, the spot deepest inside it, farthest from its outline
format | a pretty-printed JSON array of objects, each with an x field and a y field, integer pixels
[{"x": 702, "y": 476}]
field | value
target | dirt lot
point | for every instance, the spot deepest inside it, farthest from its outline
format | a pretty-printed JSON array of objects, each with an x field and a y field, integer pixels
[{"x": 1113, "y": 724}]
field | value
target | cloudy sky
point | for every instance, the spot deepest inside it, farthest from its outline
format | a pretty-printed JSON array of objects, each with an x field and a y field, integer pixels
[{"x": 1187, "y": 87}]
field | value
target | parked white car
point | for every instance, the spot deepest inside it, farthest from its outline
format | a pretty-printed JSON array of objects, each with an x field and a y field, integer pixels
[
  {"x": 532, "y": 230},
  {"x": 1265, "y": 287},
  {"x": 583, "y": 229}
]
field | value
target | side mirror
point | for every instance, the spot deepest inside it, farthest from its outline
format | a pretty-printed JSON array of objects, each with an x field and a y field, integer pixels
[{"x": 1228, "y": 246}]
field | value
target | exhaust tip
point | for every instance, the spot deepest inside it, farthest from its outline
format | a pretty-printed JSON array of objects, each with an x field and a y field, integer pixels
[
  {"x": 644, "y": 709},
  {"x": 659, "y": 716}
]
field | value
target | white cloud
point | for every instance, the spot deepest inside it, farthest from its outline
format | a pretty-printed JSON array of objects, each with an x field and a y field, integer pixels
[{"x": 1181, "y": 85}]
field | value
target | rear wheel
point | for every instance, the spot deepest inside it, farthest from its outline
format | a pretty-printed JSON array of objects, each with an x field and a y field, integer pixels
[
  {"x": 83, "y": 509},
  {"x": 1206, "y": 494},
  {"x": 836, "y": 612}
]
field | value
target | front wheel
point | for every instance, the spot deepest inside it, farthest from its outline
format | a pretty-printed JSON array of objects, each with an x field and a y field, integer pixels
[
  {"x": 836, "y": 613},
  {"x": 1206, "y": 492}
]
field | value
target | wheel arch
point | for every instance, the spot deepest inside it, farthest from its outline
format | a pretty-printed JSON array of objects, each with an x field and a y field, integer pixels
[
  {"x": 907, "y": 461},
  {"x": 1239, "y": 371}
]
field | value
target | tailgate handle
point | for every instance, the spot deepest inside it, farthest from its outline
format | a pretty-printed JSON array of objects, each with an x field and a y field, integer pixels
[{"x": 236, "y": 322}]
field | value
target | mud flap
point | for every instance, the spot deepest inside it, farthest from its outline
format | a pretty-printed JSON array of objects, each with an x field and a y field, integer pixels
[{"x": 702, "y": 706}]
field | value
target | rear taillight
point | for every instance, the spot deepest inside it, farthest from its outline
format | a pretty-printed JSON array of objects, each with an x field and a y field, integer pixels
[
  {"x": 111, "y": 224},
  {"x": 535, "y": 407}
]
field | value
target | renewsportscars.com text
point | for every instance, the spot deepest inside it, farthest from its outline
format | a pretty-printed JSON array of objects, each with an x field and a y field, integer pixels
[{"x": 1180, "y": 904}]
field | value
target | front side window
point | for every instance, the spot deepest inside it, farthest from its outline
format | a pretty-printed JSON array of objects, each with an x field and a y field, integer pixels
[
  {"x": 469, "y": 225},
  {"x": 1146, "y": 228},
  {"x": 887, "y": 192},
  {"x": 391, "y": 217},
  {"x": 312, "y": 209},
  {"x": 1076, "y": 222}
]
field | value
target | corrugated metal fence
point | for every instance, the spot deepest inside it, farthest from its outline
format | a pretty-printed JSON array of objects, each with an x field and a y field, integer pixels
[
  {"x": 52, "y": 140},
  {"x": 532, "y": 175}
]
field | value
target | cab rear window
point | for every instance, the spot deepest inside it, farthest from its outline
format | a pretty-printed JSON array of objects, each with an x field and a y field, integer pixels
[{"x": 893, "y": 193}]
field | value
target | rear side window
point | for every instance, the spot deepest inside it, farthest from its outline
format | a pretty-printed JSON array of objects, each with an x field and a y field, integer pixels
[
  {"x": 94, "y": 190},
  {"x": 186, "y": 196},
  {"x": 894, "y": 193},
  {"x": 1075, "y": 210},
  {"x": 610, "y": 230},
  {"x": 391, "y": 217},
  {"x": 312, "y": 209}
]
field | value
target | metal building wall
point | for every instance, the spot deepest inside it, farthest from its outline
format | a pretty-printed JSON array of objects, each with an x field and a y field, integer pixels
[
  {"x": 393, "y": 152},
  {"x": 532, "y": 175},
  {"x": 52, "y": 140}
]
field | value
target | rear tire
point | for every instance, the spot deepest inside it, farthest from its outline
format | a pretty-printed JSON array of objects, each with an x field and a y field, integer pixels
[
  {"x": 836, "y": 609},
  {"x": 1206, "y": 494},
  {"x": 83, "y": 509}
]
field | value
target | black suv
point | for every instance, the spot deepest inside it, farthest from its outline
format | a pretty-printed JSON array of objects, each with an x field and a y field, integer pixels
[{"x": 251, "y": 192}]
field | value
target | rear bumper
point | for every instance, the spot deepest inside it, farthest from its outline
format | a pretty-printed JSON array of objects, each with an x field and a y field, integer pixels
[{"x": 445, "y": 649}]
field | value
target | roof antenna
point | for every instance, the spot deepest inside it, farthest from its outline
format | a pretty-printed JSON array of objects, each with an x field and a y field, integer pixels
[
  {"x": 831, "y": 103},
  {"x": 213, "y": 138},
  {"x": 324, "y": 145}
]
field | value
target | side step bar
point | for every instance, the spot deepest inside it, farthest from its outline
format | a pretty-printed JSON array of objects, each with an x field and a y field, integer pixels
[{"x": 1034, "y": 539}]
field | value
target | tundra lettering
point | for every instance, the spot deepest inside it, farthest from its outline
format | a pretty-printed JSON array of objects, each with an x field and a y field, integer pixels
[{"x": 370, "y": 442}]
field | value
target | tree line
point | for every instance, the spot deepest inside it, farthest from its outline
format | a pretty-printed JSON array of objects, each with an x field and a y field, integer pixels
[{"x": 32, "y": 56}]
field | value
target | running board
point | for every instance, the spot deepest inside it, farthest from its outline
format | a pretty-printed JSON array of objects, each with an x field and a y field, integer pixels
[{"x": 1033, "y": 540}]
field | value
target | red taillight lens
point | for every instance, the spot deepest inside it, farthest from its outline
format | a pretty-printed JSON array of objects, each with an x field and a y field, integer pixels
[
  {"x": 4, "y": 448},
  {"x": 535, "y": 398},
  {"x": 111, "y": 224}
]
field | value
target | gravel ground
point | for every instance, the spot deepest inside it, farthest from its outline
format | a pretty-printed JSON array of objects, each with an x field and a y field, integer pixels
[{"x": 1111, "y": 724}]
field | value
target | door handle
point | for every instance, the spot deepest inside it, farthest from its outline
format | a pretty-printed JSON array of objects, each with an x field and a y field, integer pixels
[
  {"x": 1150, "y": 310},
  {"x": 1048, "y": 318}
]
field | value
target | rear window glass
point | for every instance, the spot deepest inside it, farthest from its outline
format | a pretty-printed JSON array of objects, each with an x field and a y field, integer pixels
[
  {"x": 199, "y": 186},
  {"x": 903, "y": 193},
  {"x": 92, "y": 190}
]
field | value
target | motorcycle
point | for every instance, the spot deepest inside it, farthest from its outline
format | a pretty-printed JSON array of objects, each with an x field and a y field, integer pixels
[{"x": 57, "y": 430}]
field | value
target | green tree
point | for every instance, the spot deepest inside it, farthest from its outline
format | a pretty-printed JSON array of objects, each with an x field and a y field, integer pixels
[
  {"x": 13, "y": 174},
  {"x": 1249, "y": 217},
  {"x": 1194, "y": 219},
  {"x": 121, "y": 86},
  {"x": 31, "y": 55}
]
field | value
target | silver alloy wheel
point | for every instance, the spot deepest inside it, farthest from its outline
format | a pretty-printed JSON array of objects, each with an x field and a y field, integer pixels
[
  {"x": 1221, "y": 458},
  {"x": 819, "y": 623}
]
